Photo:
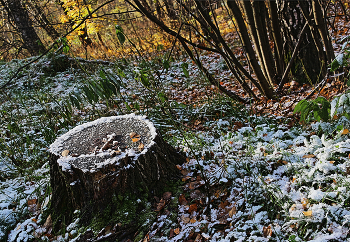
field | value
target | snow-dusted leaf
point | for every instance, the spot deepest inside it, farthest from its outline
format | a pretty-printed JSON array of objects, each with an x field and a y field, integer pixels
[
  {"x": 307, "y": 213},
  {"x": 65, "y": 153}
]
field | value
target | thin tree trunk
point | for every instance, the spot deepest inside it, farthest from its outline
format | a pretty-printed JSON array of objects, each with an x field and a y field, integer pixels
[
  {"x": 276, "y": 34},
  {"x": 322, "y": 28},
  {"x": 246, "y": 42},
  {"x": 250, "y": 21},
  {"x": 259, "y": 10}
]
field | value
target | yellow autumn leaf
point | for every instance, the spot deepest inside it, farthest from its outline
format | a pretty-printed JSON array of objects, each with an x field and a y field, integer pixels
[
  {"x": 345, "y": 131},
  {"x": 304, "y": 202},
  {"x": 135, "y": 139},
  {"x": 308, "y": 213}
]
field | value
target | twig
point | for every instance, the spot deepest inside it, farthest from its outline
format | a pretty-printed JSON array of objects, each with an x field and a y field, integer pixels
[
  {"x": 291, "y": 61},
  {"x": 320, "y": 85}
]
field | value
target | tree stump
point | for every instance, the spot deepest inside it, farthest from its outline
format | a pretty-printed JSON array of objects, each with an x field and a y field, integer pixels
[{"x": 107, "y": 157}]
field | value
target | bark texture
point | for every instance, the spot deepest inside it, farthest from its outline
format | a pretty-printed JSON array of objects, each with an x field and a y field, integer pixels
[{"x": 19, "y": 16}]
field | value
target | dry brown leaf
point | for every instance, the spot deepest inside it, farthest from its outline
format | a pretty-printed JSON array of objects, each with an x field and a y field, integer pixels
[
  {"x": 177, "y": 230},
  {"x": 198, "y": 238},
  {"x": 309, "y": 156},
  {"x": 179, "y": 167},
  {"x": 141, "y": 146},
  {"x": 224, "y": 204},
  {"x": 332, "y": 161},
  {"x": 285, "y": 162},
  {"x": 233, "y": 211},
  {"x": 171, "y": 233},
  {"x": 267, "y": 231},
  {"x": 193, "y": 220},
  {"x": 65, "y": 153},
  {"x": 345, "y": 131},
  {"x": 32, "y": 202},
  {"x": 193, "y": 207},
  {"x": 132, "y": 134},
  {"x": 160, "y": 205},
  {"x": 182, "y": 199},
  {"x": 185, "y": 220},
  {"x": 308, "y": 213},
  {"x": 167, "y": 195}
]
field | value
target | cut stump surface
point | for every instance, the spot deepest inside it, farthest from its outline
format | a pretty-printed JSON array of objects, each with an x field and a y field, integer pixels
[{"x": 107, "y": 157}]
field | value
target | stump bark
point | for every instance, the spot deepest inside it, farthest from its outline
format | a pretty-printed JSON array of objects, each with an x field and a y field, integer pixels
[{"x": 107, "y": 157}]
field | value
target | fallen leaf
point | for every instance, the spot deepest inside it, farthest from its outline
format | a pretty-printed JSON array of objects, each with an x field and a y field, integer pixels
[
  {"x": 309, "y": 156},
  {"x": 293, "y": 207},
  {"x": 198, "y": 238},
  {"x": 65, "y": 152},
  {"x": 171, "y": 233},
  {"x": 285, "y": 162},
  {"x": 32, "y": 202},
  {"x": 345, "y": 131},
  {"x": 141, "y": 146},
  {"x": 132, "y": 134},
  {"x": 177, "y": 230},
  {"x": 160, "y": 205},
  {"x": 193, "y": 220},
  {"x": 182, "y": 199},
  {"x": 233, "y": 211},
  {"x": 193, "y": 207},
  {"x": 304, "y": 202},
  {"x": 267, "y": 231},
  {"x": 308, "y": 213},
  {"x": 223, "y": 205},
  {"x": 185, "y": 220},
  {"x": 135, "y": 139},
  {"x": 332, "y": 161},
  {"x": 167, "y": 195},
  {"x": 179, "y": 167}
]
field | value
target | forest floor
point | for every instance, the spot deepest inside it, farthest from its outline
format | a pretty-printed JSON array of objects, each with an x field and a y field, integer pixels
[{"x": 253, "y": 173}]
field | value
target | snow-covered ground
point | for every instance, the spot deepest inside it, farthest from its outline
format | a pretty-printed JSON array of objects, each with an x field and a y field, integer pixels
[{"x": 268, "y": 181}]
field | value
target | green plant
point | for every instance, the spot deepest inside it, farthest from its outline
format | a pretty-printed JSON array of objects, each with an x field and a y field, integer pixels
[{"x": 318, "y": 109}]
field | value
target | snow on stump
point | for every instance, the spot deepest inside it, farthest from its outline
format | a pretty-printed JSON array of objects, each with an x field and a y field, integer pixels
[{"x": 107, "y": 157}]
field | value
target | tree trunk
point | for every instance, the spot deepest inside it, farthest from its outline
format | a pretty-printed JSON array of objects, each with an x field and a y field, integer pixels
[
  {"x": 19, "y": 15},
  {"x": 96, "y": 162},
  {"x": 40, "y": 17}
]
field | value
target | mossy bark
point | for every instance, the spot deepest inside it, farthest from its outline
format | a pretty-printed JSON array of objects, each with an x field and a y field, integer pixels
[{"x": 92, "y": 192}]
